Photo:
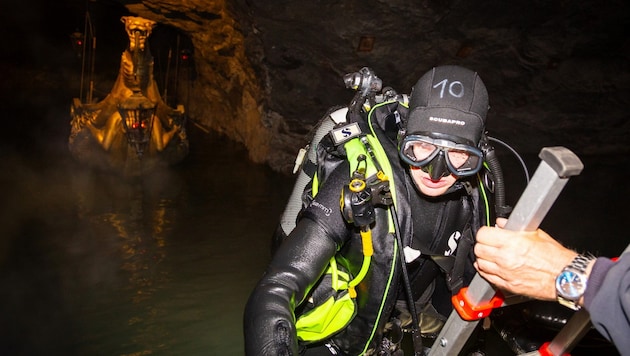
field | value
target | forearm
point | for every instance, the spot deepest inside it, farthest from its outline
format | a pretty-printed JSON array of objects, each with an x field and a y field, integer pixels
[
  {"x": 607, "y": 299},
  {"x": 527, "y": 263},
  {"x": 269, "y": 321}
]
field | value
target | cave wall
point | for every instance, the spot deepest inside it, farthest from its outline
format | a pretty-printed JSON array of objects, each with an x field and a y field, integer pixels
[
  {"x": 227, "y": 96},
  {"x": 557, "y": 71}
]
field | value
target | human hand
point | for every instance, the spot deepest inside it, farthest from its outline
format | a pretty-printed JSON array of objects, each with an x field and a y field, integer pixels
[{"x": 524, "y": 263}]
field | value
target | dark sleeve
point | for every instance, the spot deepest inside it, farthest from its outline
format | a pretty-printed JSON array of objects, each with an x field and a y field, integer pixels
[
  {"x": 269, "y": 319},
  {"x": 325, "y": 208},
  {"x": 607, "y": 299}
]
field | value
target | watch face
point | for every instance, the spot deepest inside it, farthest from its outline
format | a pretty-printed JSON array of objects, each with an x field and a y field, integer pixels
[{"x": 570, "y": 285}]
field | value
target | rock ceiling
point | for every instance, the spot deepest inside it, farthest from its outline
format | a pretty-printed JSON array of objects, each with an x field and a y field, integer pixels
[
  {"x": 266, "y": 71},
  {"x": 557, "y": 71}
]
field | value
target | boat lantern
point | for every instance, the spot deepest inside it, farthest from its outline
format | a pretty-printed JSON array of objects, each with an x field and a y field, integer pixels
[{"x": 137, "y": 113}]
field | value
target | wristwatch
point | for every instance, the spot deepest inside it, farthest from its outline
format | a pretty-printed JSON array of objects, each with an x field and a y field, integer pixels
[{"x": 571, "y": 282}]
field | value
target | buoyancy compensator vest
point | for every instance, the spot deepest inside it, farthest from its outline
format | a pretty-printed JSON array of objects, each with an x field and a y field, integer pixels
[{"x": 331, "y": 305}]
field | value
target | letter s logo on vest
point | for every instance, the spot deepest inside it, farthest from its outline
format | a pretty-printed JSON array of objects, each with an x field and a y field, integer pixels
[
  {"x": 345, "y": 133},
  {"x": 452, "y": 243}
]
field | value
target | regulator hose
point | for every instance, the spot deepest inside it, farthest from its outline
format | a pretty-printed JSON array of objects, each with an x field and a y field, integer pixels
[
  {"x": 416, "y": 333},
  {"x": 502, "y": 209}
]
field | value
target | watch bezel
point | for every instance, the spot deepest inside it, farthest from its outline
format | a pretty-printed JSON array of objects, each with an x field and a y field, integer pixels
[
  {"x": 576, "y": 270},
  {"x": 574, "y": 277}
]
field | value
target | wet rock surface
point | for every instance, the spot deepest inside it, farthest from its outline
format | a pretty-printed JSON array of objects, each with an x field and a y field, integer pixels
[{"x": 266, "y": 71}]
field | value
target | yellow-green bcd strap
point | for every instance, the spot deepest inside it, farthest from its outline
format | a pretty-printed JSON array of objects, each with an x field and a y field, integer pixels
[{"x": 355, "y": 147}]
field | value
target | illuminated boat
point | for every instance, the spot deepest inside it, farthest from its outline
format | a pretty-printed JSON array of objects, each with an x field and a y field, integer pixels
[{"x": 132, "y": 128}]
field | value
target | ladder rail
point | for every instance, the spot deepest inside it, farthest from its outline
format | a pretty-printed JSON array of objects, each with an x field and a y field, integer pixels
[{"x": 557, "y": 165}]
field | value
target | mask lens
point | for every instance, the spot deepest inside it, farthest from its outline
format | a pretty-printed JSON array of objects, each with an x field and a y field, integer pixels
[
  {"x": 420, "y": 151},
  {"x": 458, "y": 158},
  {"x": 463, "y": 163}
]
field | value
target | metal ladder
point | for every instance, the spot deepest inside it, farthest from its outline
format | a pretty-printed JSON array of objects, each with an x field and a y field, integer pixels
[{"x": 478, "y": 300}]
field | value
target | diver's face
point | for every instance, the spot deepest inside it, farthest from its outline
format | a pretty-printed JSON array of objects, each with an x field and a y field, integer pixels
[{"x": 428, "y": 186}]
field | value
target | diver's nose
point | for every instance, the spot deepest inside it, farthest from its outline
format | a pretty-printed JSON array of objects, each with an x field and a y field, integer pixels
[{"x": 437, "y": 168}]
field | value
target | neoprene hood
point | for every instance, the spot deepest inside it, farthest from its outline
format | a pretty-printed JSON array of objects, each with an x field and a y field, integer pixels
[{"x": 449, "y": 100}]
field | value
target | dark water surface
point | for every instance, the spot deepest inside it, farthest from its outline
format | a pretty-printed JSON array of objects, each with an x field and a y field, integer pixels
[{"x": 93, "y": 263}]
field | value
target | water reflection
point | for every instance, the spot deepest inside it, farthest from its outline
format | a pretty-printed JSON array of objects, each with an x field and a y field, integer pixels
[
  {"x": 134, "y": 218},
  {"x": 103, "y": 264}
]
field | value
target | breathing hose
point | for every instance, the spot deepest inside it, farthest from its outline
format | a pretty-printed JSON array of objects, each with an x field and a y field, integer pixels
[
  {"x": 502, "y": 209},
  {"x": 416, "y": 333}
]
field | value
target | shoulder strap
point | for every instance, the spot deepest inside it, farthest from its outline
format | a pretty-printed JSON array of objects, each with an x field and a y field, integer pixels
[{"x": 455, "y": 277}]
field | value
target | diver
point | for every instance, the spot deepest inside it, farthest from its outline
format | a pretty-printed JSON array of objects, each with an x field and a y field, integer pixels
[{"x": 420, "y": 235}]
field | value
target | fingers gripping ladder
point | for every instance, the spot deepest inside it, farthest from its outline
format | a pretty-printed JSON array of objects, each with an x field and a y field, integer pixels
[{"x": 476, "y": 301}]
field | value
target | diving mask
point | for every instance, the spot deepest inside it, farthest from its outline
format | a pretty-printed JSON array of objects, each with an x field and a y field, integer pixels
[{"x": 440, "y": 157}]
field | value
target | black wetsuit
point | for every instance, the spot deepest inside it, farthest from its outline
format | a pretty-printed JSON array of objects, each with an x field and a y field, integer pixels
[{"x": 425, "y": 224}]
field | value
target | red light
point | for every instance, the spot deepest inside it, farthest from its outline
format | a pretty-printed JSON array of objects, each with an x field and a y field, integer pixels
[
  {"x": 79, "y": 42},
  {"x": 184, "y": 55}
]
